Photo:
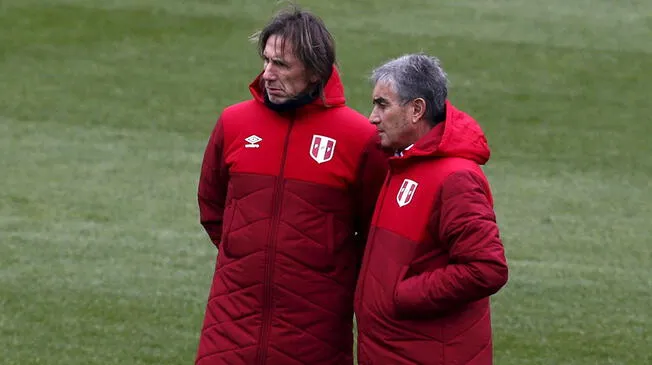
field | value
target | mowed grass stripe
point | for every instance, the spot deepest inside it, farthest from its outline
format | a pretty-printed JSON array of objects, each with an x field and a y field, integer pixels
[
  {"x": 93, "y": 272},
  {"x": 181, "y": 83},
  {"x": 139, "y": 70},
  {"x": 595, "y": 24}
]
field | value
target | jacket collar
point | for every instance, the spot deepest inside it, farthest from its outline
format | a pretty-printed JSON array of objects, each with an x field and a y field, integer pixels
[
  {"x": 333, "y": 92},
  {"x": 459, "y": 135}
]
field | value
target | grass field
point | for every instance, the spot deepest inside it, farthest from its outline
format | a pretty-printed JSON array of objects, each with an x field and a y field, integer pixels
[{"x": 105, "y": 108}]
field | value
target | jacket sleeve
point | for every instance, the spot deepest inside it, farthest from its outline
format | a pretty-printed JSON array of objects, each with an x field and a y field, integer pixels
[
  {"x": 369, "y": 180},
  {"x": 213, "y": 182},
  {"x": 477, "y": 265}
]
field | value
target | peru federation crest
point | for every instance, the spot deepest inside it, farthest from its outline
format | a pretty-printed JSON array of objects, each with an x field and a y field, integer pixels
[
  {"x": 406, "y": 192},
  {"x": 322, "y": 148}
]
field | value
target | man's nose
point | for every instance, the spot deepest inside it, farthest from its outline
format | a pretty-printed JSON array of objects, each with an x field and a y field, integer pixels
[
  {"x": 373, "y": 118},
  {"x": 268, "y": 72}
]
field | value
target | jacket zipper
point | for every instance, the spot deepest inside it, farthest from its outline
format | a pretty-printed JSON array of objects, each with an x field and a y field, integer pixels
[{"x": 270, "y": 257}]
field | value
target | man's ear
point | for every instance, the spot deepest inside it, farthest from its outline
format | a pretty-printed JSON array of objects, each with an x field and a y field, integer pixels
[{"x": 418, "y": 109}]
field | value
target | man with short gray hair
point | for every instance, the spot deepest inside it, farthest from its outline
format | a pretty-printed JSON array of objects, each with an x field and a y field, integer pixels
[{"x": 434, "y": 254}]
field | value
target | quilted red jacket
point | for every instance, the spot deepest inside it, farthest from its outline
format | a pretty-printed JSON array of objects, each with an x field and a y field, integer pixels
[
  {"x": 434, "y": 255},
  {"x": 287, "y": 198}
]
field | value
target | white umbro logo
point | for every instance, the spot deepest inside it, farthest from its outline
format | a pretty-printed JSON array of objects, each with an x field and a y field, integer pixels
[{"x": 253, "y": 141}]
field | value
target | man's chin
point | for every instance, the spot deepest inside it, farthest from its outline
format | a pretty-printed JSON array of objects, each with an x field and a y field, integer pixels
[
  {"x": 277, "y": 99},
  {"x": 384, "y": 142}
]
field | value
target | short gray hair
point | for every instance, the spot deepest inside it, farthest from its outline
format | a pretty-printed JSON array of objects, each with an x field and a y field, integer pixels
[{"x": 417, "y": 76}]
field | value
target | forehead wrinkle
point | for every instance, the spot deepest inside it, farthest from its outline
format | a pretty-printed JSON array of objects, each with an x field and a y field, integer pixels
[
  {"x": 280, "y": 49},
  {"x": 385, "y": 91}
]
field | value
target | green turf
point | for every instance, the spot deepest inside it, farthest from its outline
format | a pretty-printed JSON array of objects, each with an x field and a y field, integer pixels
[{"x": 105, "y": 107}]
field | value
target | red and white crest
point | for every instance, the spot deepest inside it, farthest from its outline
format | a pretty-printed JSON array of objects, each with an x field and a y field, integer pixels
[
  {"x": 322, "y": 148},
  {"x": 405, "y": 194}
]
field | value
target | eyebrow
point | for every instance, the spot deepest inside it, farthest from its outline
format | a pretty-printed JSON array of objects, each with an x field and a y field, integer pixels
[
  {"x": 380, "y": 100},
  {"x": 277, "y": 59}
]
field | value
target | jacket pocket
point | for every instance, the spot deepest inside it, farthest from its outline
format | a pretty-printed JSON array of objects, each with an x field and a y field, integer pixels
[
  {"x": 227, "y": 226},
  {"x": 320, "y": 258},
  {"x": 309, "y": 245},
  {"x": 402, "y": 275},
  {"x": 330, "y": 242}
]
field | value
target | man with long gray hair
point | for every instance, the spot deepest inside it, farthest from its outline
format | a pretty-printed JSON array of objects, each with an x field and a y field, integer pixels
[
  {"x": 287, "y": 188},
  {"x": 434, "y": 255}
]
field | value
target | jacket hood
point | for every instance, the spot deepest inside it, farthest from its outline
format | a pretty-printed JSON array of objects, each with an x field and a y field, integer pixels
[
  {"x": 333, "y": 91},
  {"x": 459, "y": 135}
]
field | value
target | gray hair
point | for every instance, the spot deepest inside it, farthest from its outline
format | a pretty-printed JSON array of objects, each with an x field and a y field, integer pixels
[{"x": 417, "y": 76}]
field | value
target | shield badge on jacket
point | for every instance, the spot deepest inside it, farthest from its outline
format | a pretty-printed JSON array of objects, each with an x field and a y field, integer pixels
[
  {"x": 322, "y": 148},
  {"x": 406, "y": 192}
]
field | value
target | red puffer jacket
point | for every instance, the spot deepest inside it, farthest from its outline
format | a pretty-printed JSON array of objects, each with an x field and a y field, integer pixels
[
  {"x": 434, "y": 255},
  {"x": 287, "y": 199}
]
